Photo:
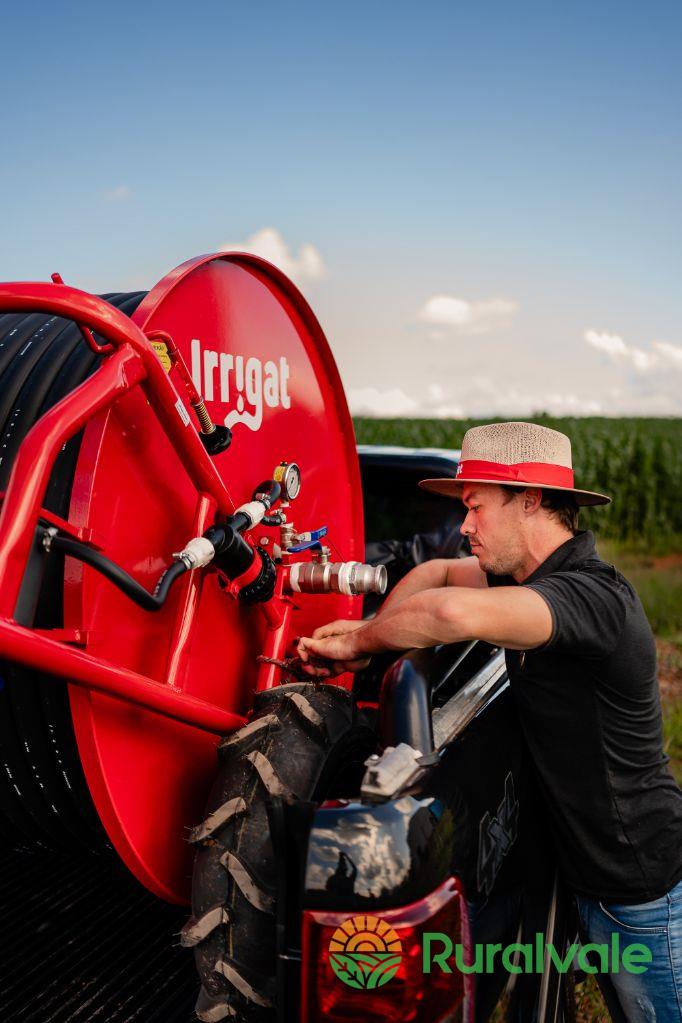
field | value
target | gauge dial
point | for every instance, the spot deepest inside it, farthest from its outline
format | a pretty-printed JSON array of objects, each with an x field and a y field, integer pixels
[{"x": 288, "y": 475}]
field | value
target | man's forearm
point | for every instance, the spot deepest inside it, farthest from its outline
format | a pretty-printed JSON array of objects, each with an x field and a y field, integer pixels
[
  {"x": 428, "y": 576},
  {"x": 420, "y": 620},
  {"x": 513, "y": 617}
]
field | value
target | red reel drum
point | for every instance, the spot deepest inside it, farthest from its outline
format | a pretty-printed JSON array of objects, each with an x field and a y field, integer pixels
[{"x": 259, "y": 357}]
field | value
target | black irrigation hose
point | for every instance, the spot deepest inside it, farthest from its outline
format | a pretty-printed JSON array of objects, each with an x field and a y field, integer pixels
[
  {"x": 118, "y": 576},
  {"x": 44, "y": 797}
]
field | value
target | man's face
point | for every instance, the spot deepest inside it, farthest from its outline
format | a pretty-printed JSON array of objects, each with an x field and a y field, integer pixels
[{"x": 496, "y": 530}]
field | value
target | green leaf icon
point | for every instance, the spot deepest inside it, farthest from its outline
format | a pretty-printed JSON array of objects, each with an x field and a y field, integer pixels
[
  {"x": 365, "y": 970},
  {"x": 347, "y": 970}
]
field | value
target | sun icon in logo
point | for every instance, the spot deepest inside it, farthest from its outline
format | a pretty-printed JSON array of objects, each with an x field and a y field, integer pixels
[{"x": 365, "y": 952}]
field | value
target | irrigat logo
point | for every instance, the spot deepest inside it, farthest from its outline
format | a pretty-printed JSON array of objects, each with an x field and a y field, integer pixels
[
  {"x": 365, "y": 952},
  {"x": 240, "y": 383}
]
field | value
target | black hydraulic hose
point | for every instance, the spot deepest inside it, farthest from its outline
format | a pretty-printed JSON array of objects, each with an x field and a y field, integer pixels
[
  {"x": 268, "y": 492},
  {"x": 115, "y": 574}
]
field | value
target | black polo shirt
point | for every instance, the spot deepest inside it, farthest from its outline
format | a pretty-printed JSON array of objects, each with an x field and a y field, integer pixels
[{"x": 590, "y": 711}]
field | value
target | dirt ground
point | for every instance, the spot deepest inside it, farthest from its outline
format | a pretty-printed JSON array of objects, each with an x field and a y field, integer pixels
[{"x": 669, "y": 670}]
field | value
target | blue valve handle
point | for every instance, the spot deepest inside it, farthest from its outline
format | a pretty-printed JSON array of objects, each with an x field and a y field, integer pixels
[{"x": 312, "y": 540}]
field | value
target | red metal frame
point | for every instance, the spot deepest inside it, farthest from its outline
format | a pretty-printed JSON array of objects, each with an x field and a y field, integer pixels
[
  {"x": 133, "y": 362},
  {"x": 149, "y": 692}
]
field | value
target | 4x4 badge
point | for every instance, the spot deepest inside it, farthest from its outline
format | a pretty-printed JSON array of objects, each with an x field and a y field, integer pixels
[{"x": 496, "y": 836}]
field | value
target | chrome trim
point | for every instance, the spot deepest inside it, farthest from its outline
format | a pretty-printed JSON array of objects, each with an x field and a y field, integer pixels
[{"x": 452, "y": 718}]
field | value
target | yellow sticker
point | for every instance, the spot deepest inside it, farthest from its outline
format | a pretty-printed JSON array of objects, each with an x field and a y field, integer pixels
[
  {"x": 278, "y": 474},
  {"x": 162, "y": 354}
]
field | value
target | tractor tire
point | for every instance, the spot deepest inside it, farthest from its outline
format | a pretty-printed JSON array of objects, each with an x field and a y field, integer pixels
[{"x": 305, "y": 741}]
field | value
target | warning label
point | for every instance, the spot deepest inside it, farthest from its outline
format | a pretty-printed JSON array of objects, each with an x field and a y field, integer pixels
[{"x": 162, "y": 354}]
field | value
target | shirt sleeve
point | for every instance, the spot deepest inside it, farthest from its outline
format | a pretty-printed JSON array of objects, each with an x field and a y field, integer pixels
[{"x": 588, "y": 611}]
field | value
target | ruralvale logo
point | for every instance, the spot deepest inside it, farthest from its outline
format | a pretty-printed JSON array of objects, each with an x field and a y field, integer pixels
[{"x": 365, "y": 952}]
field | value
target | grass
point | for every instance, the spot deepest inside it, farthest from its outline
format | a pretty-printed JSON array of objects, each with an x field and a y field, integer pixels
[
  {"x": 589, "y": 1005},
  {"x": 658, "y": 581}
]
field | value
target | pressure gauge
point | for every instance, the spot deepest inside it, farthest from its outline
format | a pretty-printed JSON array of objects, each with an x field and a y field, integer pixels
[{"x": 288, "y": 475}]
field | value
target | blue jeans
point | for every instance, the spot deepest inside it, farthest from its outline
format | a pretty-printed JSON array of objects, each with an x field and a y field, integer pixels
[{"x": 655, "y": 995}]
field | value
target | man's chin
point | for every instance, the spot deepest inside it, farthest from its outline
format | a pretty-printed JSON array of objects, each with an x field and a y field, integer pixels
[
  {"x": 482, "y": 562},
  {"x": 488, "y": 564}
]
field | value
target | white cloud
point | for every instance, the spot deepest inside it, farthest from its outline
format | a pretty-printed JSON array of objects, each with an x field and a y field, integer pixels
[
  {"x": 612, "y": 344},
  {"x": 445, "y": 412},
  {"x": 467, "y": 317},
  {"x": 484, "y": 398},
  {"x": 642, "y": 361},
  {"x": 118, "y": 194},
  {"x": 661, "y": 356},
  {"x": 474, "y": 396},
  {"x": 306, "y": 265},
  {"x": 368, "y": 401},
  {"x": 670, "y": 354}
]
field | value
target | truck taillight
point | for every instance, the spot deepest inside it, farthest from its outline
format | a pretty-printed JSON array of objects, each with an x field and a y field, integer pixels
[{"x": 372, "y": 943}]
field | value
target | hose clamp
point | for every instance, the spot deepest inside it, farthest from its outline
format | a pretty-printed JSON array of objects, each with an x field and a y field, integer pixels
[{"x": 197, "y": 553}]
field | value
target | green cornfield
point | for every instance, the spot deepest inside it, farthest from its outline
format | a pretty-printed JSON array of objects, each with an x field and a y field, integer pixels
[{"x": 638, "y": 462}]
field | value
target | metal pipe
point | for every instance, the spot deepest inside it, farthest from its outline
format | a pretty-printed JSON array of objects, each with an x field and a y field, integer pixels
[
  {"x": 190, "y": 586},
  {"x": 119, "y": 329},
  {"x": 24, "y": 646},
  {"x": 349, "y": 577}
]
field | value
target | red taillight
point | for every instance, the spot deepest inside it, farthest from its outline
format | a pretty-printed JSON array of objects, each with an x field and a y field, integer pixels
[{"x": 410, "y": 995}]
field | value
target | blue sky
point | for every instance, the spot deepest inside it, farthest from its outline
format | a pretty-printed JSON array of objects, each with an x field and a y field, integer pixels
[{"x": 489, "y": 193}]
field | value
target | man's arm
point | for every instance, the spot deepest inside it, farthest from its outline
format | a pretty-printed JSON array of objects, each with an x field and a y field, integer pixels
[
  {"x": 431, "y": 575},
  {"x": 508, "y": 616}
]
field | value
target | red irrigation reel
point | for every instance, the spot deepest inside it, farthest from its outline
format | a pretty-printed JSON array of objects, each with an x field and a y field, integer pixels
[{"x": 115, "y": 467}]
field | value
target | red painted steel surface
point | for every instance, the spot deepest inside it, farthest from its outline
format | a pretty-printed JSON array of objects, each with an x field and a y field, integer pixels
[{"x": 281, "y": 395}]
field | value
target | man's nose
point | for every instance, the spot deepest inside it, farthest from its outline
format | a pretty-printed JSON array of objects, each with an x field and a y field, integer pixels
[{"x": 466, "y": 528}]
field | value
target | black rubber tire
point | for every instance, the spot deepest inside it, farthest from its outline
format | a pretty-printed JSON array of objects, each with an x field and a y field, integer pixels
[{"x": 315, "y": 742}]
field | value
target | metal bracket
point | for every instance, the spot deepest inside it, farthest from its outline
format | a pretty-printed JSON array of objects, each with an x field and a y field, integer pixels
[{"x": 389, "y": 773}]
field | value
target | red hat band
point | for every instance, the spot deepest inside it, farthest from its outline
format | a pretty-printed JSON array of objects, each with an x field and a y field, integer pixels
[{"x": 541, "y": 474}]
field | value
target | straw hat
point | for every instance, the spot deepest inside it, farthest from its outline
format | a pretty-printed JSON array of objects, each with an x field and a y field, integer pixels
[{"x": 522, "y": 454}]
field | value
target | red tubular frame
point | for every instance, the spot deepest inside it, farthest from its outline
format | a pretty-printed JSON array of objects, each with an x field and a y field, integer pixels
[
  {"x": 28, "y": 647},
  {"x": 132, "y": 363},
  {"x": 36, "y": 457}
]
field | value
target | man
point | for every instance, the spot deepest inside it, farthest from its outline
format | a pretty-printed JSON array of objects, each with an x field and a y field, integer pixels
[{"x": 581, "y": 661}]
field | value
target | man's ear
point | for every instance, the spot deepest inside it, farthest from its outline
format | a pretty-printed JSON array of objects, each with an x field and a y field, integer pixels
[{"x": 532, "y": 499}]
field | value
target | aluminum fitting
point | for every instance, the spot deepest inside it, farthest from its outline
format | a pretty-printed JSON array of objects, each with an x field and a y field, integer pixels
[
  {"x": 348, "y": 577},
  {"x": 197, "y": 553}
]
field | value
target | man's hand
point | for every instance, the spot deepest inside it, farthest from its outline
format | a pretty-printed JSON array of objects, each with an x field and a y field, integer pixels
[
  {"x": 334, "y": 644},
  {"x": 338, "y": 628}
]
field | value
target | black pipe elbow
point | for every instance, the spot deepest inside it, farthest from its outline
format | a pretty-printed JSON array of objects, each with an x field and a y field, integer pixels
[
  {"x": 405, "y": 703},
  {"x": 233, "y": 555}
]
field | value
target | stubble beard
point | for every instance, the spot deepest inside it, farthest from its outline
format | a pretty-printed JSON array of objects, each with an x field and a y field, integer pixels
[{"x": 505, "y": 563}]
